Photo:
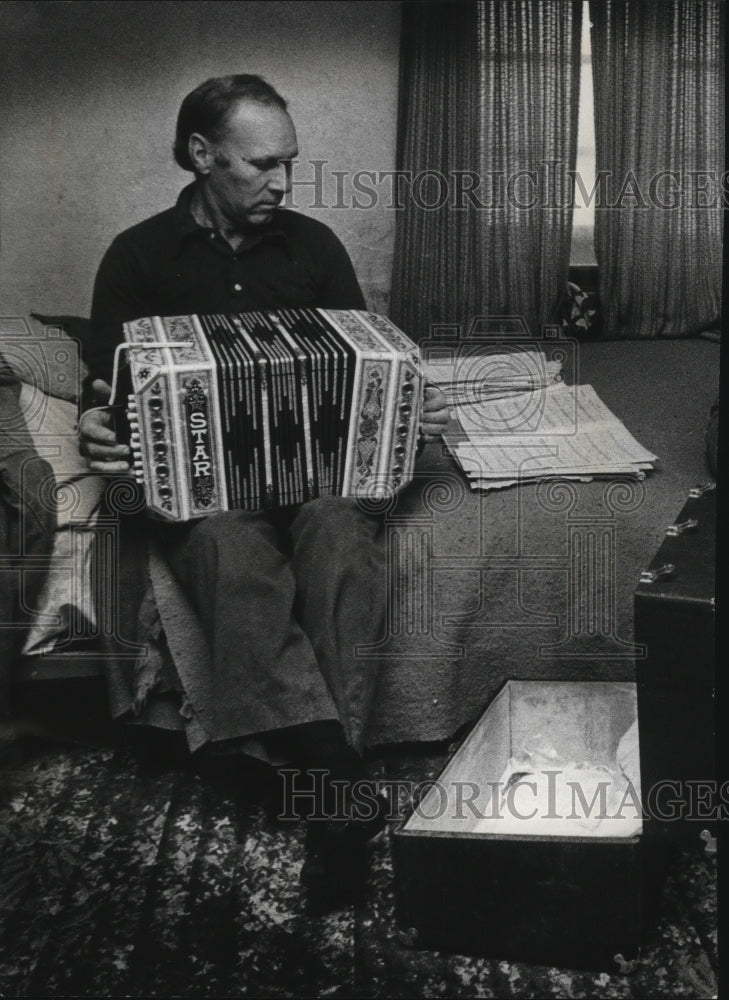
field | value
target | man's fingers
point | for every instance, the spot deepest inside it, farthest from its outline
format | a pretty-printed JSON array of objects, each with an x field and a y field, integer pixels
[
  {"x": 105, "y": 452},
  {"x": 434, "y": 423},
  {"x": 433, "y": 398},
  {"x": 102, "y": 443},
  {"x": 111, "y": 459},
  {"x": 97, "y": 439},
  {"x": 109, "y": 468},
  {"x": 104, "y": 435},
  {"x": 431, "y": 432},
  {"x": 97, "y": 425},
  {"x": 102, "y": 389}
]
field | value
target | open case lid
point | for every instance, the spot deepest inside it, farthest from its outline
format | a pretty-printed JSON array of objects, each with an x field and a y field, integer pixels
[{"x": 546, "y": 759}]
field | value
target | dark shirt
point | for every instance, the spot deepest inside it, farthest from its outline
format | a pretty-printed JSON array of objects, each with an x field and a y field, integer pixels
[{"x": 170, "y": 265}]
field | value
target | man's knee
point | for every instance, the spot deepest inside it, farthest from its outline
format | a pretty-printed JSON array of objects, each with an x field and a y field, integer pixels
[
  {"x": 336, "y": 519},
  {"x": 234, "y": 532}
]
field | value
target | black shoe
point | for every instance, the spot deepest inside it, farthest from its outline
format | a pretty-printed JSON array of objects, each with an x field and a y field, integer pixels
[{"x": 335, "y": 867}]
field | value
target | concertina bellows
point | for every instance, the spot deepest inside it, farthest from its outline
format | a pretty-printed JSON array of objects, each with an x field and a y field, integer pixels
[{"x": 262, "y": 410}]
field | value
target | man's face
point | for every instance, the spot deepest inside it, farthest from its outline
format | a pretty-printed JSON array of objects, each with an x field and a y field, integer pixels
[{"x": 251, "y": 170}]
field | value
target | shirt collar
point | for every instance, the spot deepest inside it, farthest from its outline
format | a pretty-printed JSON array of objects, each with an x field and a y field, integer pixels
[{"x": 187, "y": 226}]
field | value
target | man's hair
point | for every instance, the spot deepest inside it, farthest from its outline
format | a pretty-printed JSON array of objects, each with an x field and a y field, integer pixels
[{"x": 206, "y": 110}]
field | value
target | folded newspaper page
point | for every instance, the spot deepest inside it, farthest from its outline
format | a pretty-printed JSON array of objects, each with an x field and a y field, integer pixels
[{"x": 519, "y": 423}]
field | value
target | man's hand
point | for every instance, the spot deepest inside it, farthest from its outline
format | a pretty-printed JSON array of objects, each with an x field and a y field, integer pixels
[
  {"x": 435, "y": 414},
  {"x": 97, "y": 438}
]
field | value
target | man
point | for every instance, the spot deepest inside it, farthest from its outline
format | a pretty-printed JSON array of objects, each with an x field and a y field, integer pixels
[{"x": 285, "y": 597}]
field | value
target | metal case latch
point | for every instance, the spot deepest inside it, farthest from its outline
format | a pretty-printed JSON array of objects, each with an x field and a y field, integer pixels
[
  {"x": 678, "y": 529},
  {"x": 698, "y": 491},
  {"x": 653, "y": 575}
]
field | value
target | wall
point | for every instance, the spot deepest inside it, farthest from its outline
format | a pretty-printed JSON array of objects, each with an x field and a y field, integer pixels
[{"x": 90, "y": 96}]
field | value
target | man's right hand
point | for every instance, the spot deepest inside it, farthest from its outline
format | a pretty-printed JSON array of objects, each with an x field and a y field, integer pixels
[{"x": 97, "y": 437}]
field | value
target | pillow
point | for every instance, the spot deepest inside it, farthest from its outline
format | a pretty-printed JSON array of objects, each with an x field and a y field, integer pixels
[
  {"x": 66, "y": 608},
  {"x": 46, "y": 355},
  {"x": 66, "y": 604},
  {"x": 52, "y": 422},
  {"x": 77, "y": 327}
]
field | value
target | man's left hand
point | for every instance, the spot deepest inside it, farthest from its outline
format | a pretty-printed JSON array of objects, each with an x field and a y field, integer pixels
[{"x": 435, "y": 415}]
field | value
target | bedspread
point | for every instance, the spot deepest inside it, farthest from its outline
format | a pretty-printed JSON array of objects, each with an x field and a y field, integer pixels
[{"x": 534, "y": 581}]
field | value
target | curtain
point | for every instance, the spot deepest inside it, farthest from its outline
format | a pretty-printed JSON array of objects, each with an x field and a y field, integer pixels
[
  {"x": 487, "y": 135},
  {"x": 660, "y": 151}
]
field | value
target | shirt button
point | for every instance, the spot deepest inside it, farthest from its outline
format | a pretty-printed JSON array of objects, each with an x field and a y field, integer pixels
[
  {"x": 212, "y": 236},
  {"x": 237, "y": 288}
]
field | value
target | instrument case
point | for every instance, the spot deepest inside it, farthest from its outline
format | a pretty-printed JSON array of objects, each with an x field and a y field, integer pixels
[
  {"x": 549, "y": 889},
  {"x": 675, "y": 625},
  {"x": 568, "y": 894}
]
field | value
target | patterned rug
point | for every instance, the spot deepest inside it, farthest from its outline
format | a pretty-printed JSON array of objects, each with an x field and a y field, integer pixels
[{"x": 129, "y": 877}]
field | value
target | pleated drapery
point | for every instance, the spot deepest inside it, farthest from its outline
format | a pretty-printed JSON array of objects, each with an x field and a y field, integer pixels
[
  {"x": 659, "y": 118},
  {"x": 487, "y": 137}
]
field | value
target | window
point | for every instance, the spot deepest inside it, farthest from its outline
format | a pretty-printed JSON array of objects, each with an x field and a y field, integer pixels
[{"x": 583, "y": 223}]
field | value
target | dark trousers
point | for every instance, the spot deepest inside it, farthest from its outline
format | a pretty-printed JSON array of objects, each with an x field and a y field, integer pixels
[{"x": 286, "y": 599}]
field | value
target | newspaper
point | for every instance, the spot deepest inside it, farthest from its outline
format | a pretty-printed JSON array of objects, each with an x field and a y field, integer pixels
[{"x": 532, "y": 425}]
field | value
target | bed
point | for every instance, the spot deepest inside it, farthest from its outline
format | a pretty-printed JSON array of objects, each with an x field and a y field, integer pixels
[{"x": 534, "y": 581}]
